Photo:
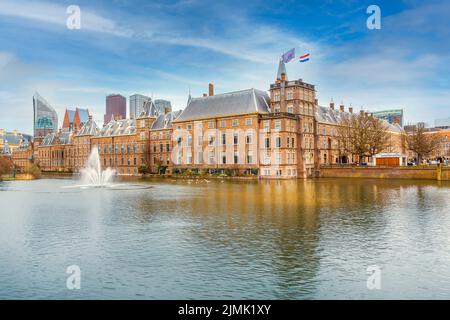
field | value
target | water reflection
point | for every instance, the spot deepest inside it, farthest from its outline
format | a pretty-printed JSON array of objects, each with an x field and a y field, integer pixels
[{"x": 231, "y": 239}]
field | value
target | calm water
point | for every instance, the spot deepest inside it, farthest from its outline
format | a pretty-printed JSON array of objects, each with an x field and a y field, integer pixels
[{"x": 277, "y": 240}]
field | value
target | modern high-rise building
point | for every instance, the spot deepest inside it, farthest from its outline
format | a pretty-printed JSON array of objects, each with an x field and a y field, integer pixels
[
  {"x": 391, "y": 116},
  {"x": 116, "y": 107},
  {"x": 45, "y": 119},
  {"x": 137, "y": 102}
]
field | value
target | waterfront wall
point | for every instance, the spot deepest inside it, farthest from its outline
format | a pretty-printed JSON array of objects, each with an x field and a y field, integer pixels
[{"x": 421, "y": 173}]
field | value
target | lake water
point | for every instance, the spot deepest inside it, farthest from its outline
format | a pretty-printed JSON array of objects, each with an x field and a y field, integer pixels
[{"x": 305, "y": 239}]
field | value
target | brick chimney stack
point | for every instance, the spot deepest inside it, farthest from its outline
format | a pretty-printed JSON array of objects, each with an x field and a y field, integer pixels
[
  {"x": 211, "y": 89},
  {"x": 341, "y": 107},
  {"x": 350, "y": 109},
  {"x": 332, "y": 104}
]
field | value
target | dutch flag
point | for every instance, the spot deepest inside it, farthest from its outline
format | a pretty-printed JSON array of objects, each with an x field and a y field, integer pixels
[{"x": 304, "y": 57}]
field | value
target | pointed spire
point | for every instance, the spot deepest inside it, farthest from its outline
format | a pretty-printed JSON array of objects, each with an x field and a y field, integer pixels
[
  {"x": 282, "y": 74},
  {"x": 189, "y": 97}
]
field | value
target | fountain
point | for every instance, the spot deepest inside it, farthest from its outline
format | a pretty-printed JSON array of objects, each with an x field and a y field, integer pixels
[{"x": 93, "y": 175}]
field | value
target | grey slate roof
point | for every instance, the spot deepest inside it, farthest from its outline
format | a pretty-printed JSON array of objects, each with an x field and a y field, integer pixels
[
  {"x": 329, "y": 116},
  {"x": 118, "y": 127},
  {"x": 164, "y": 121},
  {"x": 232, "y": 103},
  {"x": 64, "y": 137}
]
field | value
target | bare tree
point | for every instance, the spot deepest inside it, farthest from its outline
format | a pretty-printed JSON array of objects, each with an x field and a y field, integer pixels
[
  {"x": 422, "y": 143},
  {"x": 378, "y": 136},
  {"x": 362, "y": 135}
]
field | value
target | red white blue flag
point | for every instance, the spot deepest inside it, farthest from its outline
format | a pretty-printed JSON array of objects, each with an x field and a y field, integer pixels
[{"x": 304, "y": 58}]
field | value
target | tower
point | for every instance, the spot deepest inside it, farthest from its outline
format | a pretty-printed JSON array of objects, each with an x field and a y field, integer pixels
[{"x": 297, "y": 98}]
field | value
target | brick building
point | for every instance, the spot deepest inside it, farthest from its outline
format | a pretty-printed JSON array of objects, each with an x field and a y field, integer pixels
[{"x": 283, "y": 134}]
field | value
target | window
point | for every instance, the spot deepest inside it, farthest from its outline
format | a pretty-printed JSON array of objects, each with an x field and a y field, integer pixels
[
  {"x": 161, "y": 147},
  {"x": 250, "y": 157},
  {"x": 236, "y": 157},
  {"x": 142, "y": 122},
  {"x": 211, "y": 157},
  {"x": 267, "y": 142},
  {"x": 277, "y": 158},
  {"x": 277, "y": 124},
  {"x": 278, "y": 142},
  {"x": 235, "y": 138},
  {"x": 290, "y": 95},
  {"x": 224, "y": 158},
  {"x": 211, "y": 124},
  {"x": 199, "y": 157},
  {"x": 199, "y": 140},
  {"x": 189, "y": 126},
  {"x": 292, "y": 142},
  {"x": 248, "y": 121},
  {"x": 211, "y": 140},
  {"x": 287, "y": 142},
  {"x": 235, "y": 123},
  {"x": 223, "y": 123},
  {"x": 167, "y": 147},
  {"x": 224, "y": 139},
  {"x": 290, "y": 109},
  {"x": 189, "y": 158},
  {"x": 154, "y": 147},
  {"x": 249, "y": 138},
  {"x": 266, "y": 126},
  {"x": 189, "y": 140}
]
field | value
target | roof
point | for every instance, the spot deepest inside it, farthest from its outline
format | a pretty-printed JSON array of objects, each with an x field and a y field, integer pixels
[
  {"x": 83, "y": 114},
  {"x": 63, "y": 137},
  {"x": 118, "y": 127},
  {"x": 226, "y": 104},
  {"x": 12, "y": 138},
  {"x": 90, "y": 128},
  {"x": 164, "y": 121},
  {"x": 71, "y": 114},
  {"x": 150, "y": 110},
  {"x": 330, "y": 116}
]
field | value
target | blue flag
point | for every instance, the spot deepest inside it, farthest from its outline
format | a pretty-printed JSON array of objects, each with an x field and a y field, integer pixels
[{"x": 288, "y": 56}]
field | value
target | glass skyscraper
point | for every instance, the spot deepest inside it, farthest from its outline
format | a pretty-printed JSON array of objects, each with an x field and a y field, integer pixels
[
  {"x": 44, "y": 117},
  {"x": 137, "y": 102}
]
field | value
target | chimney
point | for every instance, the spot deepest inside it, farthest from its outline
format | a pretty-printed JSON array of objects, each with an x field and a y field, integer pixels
[
  {"x": 211, "y": 89},
  {"x": 341, "y": 107},
  {"x": 205, "y": 95},
  {"x": 350, "y": 109},
  {"x": 361, "y": 112},
  {"x": 90, "y": 117},
  {"x": 332, "y": 104}
]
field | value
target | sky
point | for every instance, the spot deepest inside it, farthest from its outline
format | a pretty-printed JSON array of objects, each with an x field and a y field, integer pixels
[{"x": 164, "y": 49}]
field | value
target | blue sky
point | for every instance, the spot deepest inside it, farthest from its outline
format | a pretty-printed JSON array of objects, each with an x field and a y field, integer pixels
[{"x": 163, "y": 48}]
